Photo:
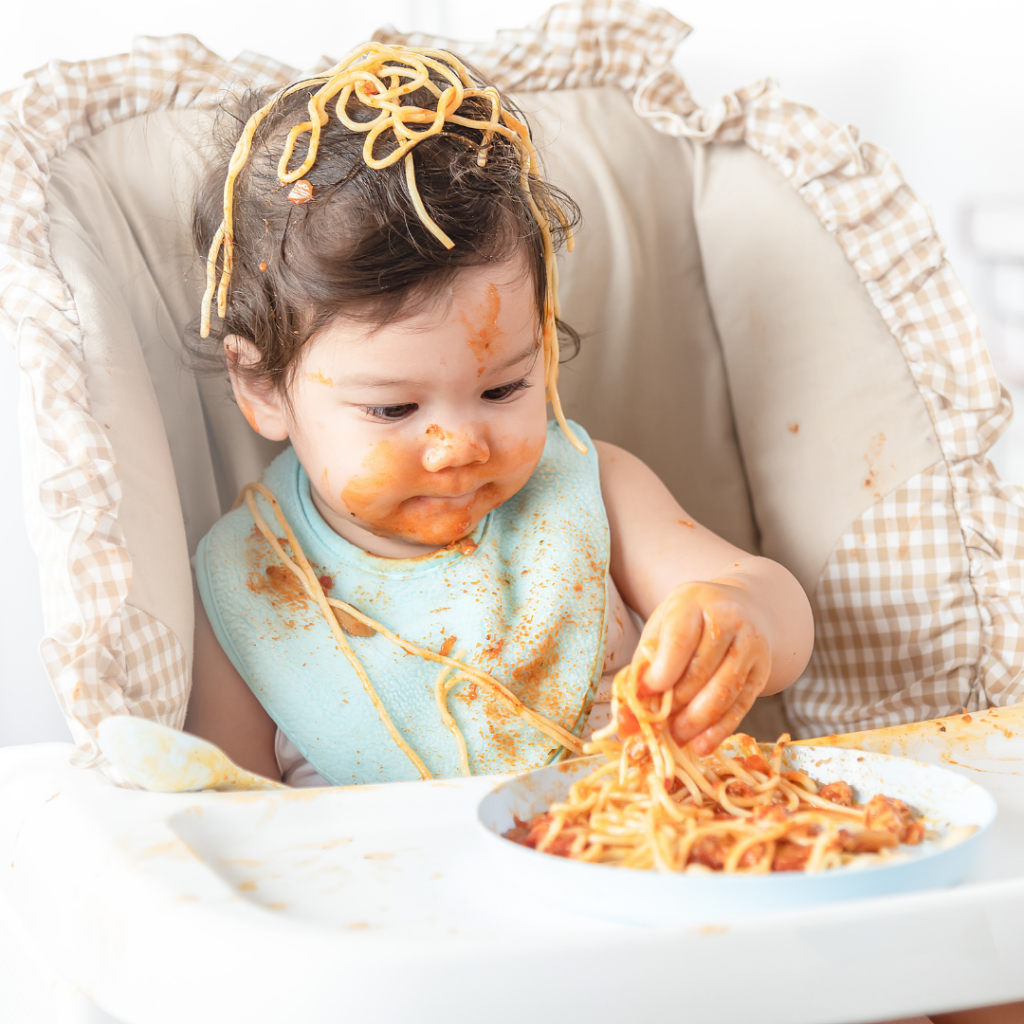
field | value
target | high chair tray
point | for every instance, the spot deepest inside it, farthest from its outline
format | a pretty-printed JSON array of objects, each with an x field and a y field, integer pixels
[{"x": 379, "y": 903}]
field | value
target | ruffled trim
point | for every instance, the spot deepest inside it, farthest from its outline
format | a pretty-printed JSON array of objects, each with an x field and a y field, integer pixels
[
  {"x": 582, "y": 45},
  {"x": 103, "y": 656},
  {"x": 977, "y": 550}
]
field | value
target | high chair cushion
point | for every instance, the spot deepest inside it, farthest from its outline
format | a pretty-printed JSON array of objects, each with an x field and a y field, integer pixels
[{"x": 768, "y": 320}]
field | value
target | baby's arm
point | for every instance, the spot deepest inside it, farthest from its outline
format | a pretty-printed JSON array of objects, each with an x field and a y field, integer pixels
[
  {"x": 722, "y": 627},
  {"x": 222, "y": 708}
]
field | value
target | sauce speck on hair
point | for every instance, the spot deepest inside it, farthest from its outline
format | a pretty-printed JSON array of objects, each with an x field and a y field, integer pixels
[{"x": 301, "y": 192}]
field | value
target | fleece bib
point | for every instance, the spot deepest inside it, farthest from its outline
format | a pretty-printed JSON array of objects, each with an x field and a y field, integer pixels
[{"x": 526, "y": 601}]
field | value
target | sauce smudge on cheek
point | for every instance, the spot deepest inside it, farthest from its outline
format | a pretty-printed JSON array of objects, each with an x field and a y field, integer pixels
[{"x": 398, "y": 497}]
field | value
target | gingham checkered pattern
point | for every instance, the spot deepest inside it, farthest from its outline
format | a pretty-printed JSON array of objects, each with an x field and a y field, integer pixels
[
  {"x": 103, "y": 656},
  {"x": 579, "y": 45},
  {"x": 919, "y": 608}
]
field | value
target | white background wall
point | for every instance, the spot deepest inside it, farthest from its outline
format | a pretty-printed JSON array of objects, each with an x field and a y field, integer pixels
[{"x": 938, "y": 82}]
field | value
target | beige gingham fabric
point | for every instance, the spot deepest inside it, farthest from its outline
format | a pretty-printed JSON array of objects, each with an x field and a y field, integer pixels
[
  {"x": 919, "y": 607},
  {"x": 104, "y": 656}
]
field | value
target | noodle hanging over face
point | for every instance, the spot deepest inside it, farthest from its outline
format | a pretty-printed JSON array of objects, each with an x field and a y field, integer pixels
[
  {"x": 655, "y": 805},
  {"x": 381, "y": 78}
]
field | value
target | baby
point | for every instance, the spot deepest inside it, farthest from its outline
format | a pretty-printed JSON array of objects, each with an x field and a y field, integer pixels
[{"x": 388, "y": 304}]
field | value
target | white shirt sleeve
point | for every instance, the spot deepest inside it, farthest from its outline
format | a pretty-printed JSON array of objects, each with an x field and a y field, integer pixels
[{"x": 296, "y": 771}]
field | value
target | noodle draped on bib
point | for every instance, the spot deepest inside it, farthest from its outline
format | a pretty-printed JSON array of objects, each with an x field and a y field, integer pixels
[{"x": 525, "y": 600}]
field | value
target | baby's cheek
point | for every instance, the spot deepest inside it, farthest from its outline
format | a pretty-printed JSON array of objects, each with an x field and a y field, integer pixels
[{"x": 371, "y": 492}]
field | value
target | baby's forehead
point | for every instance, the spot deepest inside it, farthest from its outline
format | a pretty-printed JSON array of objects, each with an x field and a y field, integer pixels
[
  {"x": 508, "y": 276},
  {"x": 502, "y": 292}
]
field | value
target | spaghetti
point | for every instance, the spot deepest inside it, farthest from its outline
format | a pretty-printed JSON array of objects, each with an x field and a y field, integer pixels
[
  {"x": 382, "y": 78},
  {"x": 342, "y": 617},
  {"x": 655, "y": 805}
]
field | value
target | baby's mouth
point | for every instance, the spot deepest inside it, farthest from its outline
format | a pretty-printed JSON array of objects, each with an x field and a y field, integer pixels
[{"x": 463, "y": 498}]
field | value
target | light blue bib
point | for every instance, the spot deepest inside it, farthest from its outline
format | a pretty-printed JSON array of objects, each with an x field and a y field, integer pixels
[{"x": 528, "y": 605}]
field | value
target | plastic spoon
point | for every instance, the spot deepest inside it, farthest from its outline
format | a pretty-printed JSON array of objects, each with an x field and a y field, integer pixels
[{"x": 164, "y": 760}]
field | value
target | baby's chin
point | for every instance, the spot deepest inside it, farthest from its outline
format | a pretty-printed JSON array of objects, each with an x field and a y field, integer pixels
[{"x": 437, "y": 522}]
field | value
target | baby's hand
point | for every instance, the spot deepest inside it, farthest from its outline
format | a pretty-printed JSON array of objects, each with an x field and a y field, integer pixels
[{"x": 704, "y": 640}]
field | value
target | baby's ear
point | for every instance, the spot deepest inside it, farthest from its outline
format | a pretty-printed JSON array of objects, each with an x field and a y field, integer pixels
[{"x": 261, "y": 405}]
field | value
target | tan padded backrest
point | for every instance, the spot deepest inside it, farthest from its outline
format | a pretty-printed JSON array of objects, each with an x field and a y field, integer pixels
[
  {"x": 119, "y": 212},
  {"x": 828, "y": 414},
  {"x": 119, "y": 203},
  {"x": 650, "y": 375}
]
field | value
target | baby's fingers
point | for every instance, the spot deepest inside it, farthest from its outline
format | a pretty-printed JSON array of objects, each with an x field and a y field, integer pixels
[
  {"x": 740, "y": 671},
  {"x": 732, "y": 676},
  {"x": 708, "y": 740},
  {"x": 670, "y": 647},
  {"x": 706, "y": 663}
]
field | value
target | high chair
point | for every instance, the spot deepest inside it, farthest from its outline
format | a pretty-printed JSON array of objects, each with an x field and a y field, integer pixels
[{"x": 768, "y": 320}]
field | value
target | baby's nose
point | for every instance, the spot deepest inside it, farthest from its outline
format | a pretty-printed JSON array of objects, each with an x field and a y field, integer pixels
[{"x": 446, "y": 449}]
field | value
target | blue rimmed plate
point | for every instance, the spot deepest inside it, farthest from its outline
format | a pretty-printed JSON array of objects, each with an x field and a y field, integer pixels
[{"x": 960, "y": 811}]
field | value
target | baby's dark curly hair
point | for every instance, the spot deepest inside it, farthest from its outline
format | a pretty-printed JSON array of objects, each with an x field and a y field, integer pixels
[{"x": 357, "y": 249}]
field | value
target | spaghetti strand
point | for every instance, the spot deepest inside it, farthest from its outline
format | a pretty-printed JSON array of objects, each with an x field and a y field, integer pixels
[{"x": 301, "y": 569}]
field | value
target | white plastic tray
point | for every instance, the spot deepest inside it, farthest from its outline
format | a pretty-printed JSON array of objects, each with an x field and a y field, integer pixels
[{"x": 380, "y": 904}]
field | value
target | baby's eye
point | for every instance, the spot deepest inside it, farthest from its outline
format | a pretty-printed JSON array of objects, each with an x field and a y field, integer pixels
[
  {"x": 506, "y": 390},
  {"x": 390, "y": 413}
]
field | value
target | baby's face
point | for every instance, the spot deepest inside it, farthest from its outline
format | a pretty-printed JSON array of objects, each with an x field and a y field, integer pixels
[{"x": 411, "y": 434}]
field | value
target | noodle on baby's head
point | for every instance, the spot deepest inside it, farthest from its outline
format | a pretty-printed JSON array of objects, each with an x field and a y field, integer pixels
[{"x": 389, "y": 83}]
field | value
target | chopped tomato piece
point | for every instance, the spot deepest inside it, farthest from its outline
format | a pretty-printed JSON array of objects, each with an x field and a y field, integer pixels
[
  {"x": 756, "y": 763},
  {"x": 886, "y": 814},
  {"x": 914, "y": 833},
  {"x": 790, "y": 857},
  {"x": 837, "y": 793},
  {"x": 628, "y": 725}
]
